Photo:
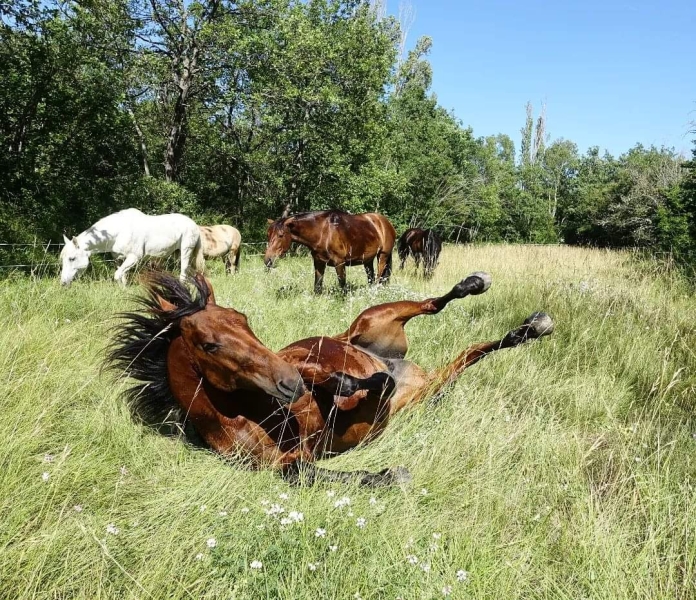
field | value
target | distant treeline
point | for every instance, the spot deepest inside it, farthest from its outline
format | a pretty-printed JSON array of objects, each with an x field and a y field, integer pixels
[{"x": 231, "y": 111}]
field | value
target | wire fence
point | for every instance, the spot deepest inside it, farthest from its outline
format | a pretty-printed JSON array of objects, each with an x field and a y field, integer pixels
[{"x": 39, "y": 257}]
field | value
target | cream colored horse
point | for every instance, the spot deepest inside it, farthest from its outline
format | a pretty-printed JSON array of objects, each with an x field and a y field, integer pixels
[{"x": 225, "y": 241}]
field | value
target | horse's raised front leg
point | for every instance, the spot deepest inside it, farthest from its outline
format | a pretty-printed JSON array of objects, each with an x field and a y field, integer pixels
[
  {"x": 380, "y": 329},
  {"x": 128, "y": 263},
  {"x": 319, "y": 268},
  {"x": 537, "y": 325}
]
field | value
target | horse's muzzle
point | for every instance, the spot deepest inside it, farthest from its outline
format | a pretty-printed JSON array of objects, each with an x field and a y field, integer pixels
[{"x": 290, "y": 390}]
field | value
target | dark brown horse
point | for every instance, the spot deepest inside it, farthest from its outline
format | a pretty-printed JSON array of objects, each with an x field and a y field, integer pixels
[
  {"x": 421, "y": 243},
  {"x": 336, "y": 239},
  {"x": 200, "y": 363}
]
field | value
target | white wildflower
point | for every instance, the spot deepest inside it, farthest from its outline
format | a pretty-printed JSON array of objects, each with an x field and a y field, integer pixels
[
  {"x": 211, "y": 542},
  {"x": 373, "y": 500},
  {"x": 49, "y": 458},
  {"x": 424, "y": 492},
  {"x": 425, "y": 567},
  {"x": 77, "y": 508},
  {"x": 283, "y": 496},
  {"x": 333, "y": 548},
  {"x": 341, "y": 502},
  {"x": 331, "y": 493},
  {"x": 320, "y": 533},
  {"x": 245, "y": 510},
  {"x": 256, "y": 564},
  {"x": 312, "y": 567},
  {"x": 275, "y": 509},
  {"x": 199, "y": 556},
  {"x": 412, "y": 559},
  {"x": 223, "y": 513},
  {"x": 462, "y": 576},
  {"x": 361, "y": 522},
  {"x": 298, "y": 517},
  {"x": 447, "y": 590},
  {"x": 124, "y": 471},
  {"x": 285, "y": 521},
  {"x": 112, "y": 529},
  {"x": 203, "y": 507},
  {"x": 437, "y": 536},
  {"x": 265, "y": 502},
  {"x": 45, "y": 476}
]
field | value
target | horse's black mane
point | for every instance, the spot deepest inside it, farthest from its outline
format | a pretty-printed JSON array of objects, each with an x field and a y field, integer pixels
[
  {"x": 140, "y": 345},
  {"x": 313, "y": 213}
]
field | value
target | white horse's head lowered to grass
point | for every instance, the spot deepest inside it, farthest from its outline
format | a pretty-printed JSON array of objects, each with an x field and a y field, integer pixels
[{"x": 75, "y": 260}]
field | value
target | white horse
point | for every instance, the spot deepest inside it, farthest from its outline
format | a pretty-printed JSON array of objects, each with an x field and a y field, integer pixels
[
  {"x": 225, "y": 241},
  {"x": 133, "y": 235}
]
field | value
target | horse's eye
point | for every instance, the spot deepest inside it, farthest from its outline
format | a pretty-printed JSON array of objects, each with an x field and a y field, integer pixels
[
  {"x": 210, "y": 347},
  {"x": 72, "y": 259}
]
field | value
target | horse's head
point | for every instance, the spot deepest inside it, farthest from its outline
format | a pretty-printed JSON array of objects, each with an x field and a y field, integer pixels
[
  {"x": 74, "y": 259},
  {"x": 222, "y": 347},
  {"x": 279, "y": 240}
]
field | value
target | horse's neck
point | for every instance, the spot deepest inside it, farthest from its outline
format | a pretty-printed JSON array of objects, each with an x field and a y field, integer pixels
[
  {"x": 306, "y": 233},
  {"x": 95, "y": 240}
]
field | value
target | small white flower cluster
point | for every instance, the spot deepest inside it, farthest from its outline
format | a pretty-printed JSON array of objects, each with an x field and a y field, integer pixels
[
  {"x": 342, "y": 502},
  {"x": 274, "y": 510},
  {"x": 112, "y": 529},
  {"x": 256, "y": 564}
]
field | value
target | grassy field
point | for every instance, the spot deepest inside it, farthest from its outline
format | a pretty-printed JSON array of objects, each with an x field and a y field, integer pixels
[{"x": 560, "y": 469}]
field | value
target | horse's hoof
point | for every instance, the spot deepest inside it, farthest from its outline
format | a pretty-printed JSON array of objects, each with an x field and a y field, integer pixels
[
  {"x": 475, "y": 284},
  {"x": 538, "y": 325},
  {"x": 400, "y": 475}
]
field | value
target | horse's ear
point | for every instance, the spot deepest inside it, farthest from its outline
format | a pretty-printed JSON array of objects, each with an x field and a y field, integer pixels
[
  {"x": 66, "y": 240},
  {"x": 211, "y": 293},
  {"x": 270, "y": 221},
  {"x": 165, "y": 305},
  {"x": 74, "y": 241}
]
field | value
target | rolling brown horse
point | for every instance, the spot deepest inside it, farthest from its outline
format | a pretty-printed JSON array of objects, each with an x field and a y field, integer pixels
[
  {"x": 337, "y": 239},
  {"x": 421, "y": 243},
  {"x": 201, "y": 363}
]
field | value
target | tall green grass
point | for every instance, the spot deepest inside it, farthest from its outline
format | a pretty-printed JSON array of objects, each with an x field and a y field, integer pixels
[{"x": 560, "y": 469}]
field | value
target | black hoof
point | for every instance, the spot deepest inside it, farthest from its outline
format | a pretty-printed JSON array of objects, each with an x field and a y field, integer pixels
[
  {"x": 475, "y": 284},
  {"x": 538, "y": 325},
  {"x": 388, "y": 477}
]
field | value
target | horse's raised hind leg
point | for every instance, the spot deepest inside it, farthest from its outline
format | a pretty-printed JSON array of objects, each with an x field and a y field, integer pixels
[
  {"x": 370, "y": 271},
  {"x": 380, "y": 329},
  {"x": 319, "y": 268},
  {"x": 535, "y": 326},
  {"x": 129, "y": 262}
]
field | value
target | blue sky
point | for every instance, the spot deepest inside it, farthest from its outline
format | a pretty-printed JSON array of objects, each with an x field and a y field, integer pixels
[{"x": 612, "y": 72}]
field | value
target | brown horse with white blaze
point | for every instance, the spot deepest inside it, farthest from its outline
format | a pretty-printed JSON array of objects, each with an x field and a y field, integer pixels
[
  {"x": 200, "y": 363},
  {"x": 337, "y": 239}
]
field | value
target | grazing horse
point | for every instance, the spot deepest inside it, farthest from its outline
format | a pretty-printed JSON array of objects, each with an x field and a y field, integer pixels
[
  {"x": 421, "y": 243},
  {"x": 225, "y": 241},
  {"x": 336, "y": 239},
  {"x": 201, "y": 364},
  {"x": 131, "y": 235}
]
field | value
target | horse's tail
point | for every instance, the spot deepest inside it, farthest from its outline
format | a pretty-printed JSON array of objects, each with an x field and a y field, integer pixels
[
  {"x": 431, "y": 251},
  {"x": 238, "y": 258},
  {"x": 198, "y": 257},
  {"x": 402, "y": 247}
]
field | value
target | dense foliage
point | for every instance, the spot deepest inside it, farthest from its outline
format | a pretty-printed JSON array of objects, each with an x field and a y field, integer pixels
[{"x": 231, "y": 111}]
